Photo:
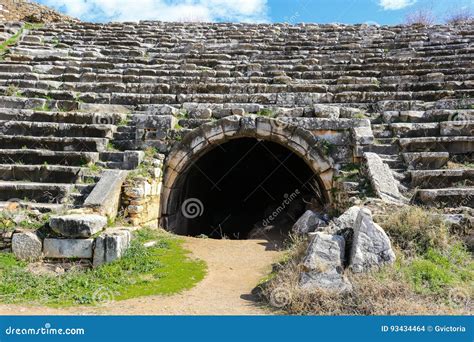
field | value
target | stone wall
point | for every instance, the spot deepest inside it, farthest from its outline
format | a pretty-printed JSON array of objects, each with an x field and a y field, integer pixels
[{"x": 141, "y": 194}]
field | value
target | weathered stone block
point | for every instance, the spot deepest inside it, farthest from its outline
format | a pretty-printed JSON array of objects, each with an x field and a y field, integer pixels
[
  {"x": 309, "y": 222},
  {"x": 110, "y": 246},
  {"x": 323, "y": 264},
  {"x": 27, "y": 246},
  {"x": 77, "y": 226},
  {"x": 68, "y": 248},
  {"x": 371, "y": 246},
  {"x": 381, "y": 178}
]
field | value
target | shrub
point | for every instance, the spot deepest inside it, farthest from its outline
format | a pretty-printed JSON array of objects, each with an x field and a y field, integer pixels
[
  {"x": 460, "y": 16},
  {"x": 420, "y": 17},
  {"x": 415, "y": 230}
]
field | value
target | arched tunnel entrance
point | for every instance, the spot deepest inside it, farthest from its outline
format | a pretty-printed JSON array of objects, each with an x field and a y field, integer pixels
[{"x": 244, "y": 188}]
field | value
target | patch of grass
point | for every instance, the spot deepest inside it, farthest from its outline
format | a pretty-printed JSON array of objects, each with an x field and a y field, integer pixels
[
  {"x": 415, "y": 229},
  {"x": 94, "y": 168},
  {"x": 111, "y": 147},
  {"x": 33, "y": 26},
  {"x": 125, "y": 121},
  {"x": 44, "y": 108},
  {"x": 12, "y": 90},
  {"x": 360, "y": 116},
  {"x": 151, "y": 152},
  {"x": 143, "y": 170},
  {"x": 183, "y": 114},
  {"x": 18, "y": 218},
  {"x": 325, "y": 146},
  {"x": 266, "y": 112},
  {"x": 162, "y": 269},
  {"x": 13, "y": 40}
]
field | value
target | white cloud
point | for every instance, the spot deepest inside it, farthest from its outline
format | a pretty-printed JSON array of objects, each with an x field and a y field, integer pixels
[
  {"x": 164, "y": 10},
  {"x": 395, "y": 4}
]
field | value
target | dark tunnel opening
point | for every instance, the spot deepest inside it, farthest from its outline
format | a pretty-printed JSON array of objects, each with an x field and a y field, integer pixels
[{"x": 244, "y": 188}]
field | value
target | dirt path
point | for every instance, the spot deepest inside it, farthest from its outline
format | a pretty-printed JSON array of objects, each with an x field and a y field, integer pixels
[{"x": 234, "y": 268}]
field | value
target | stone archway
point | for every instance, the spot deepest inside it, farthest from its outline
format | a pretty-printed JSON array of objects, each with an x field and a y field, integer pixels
[{"x": 207, "y": 137}]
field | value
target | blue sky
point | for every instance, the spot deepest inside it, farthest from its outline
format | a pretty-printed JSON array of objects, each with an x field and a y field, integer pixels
[{"x": 293, "y": 11}]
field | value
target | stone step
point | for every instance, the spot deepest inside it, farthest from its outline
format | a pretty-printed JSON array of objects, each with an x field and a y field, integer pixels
[
  {"x": 39, "y": 192},
  {"x": 458, "y": 127},
  {"x": 435, "y": 179},
  {"x": 394, "y": 161},
  {"x": 412, "y": 130},
  {"x": 42, "y": 207},
  {"x": 458, "y": 110},
  {"x": 425, "y": 160},
  {"x": 47, "y": 174},
  {"x": 446, "y": 198},
  {"x": 386, "y": 141},
  {"x": 453, "y": 145},
  {"x": 382, "y": 149},
  {"x": 381, "y": 131},
  {"x": 78, "y": 118},
  {"x": 56, "y": 129},
  {"x": 55, "y": 144},
  {"x": 41, "y": 156}
]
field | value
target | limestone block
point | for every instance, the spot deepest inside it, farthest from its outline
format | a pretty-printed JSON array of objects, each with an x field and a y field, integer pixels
[
  {"x": 309, "y": 222},
  {"x": 371, "y": 246},
  {"x": 27, "y": 246},
  {"x": 68, "y": 248},
  {"x": 77, "y": 226}
]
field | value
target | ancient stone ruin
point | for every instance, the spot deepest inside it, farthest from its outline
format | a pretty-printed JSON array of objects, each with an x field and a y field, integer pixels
[{"x": 224, "y": 129}]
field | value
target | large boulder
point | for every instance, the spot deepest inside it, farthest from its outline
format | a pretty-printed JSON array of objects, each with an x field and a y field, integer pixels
[
  {"x": 77, "y": 225},
  {"x": 309, "y": 222},
  {"x": 323, "y": 264},
  {"x": 27, "y": 246},
  {"x": 371, "y": 246}
]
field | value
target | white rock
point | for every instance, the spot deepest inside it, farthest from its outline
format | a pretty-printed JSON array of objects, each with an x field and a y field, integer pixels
[
  {"x": 78, "y": 226},
  {"x": 323, "y": 264},
  {"x": 308, "y": 223},
  {"x": 371, "y": 246},
  {"x": 27, "y": 246},
  {"x": 68, "y": 248},
  {"x": 347, "y": 219},
  {"x": 111, "y": 246}
]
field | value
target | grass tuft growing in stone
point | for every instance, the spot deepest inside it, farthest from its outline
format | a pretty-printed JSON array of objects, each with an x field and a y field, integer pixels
[{"x": 161, "y": 269}]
